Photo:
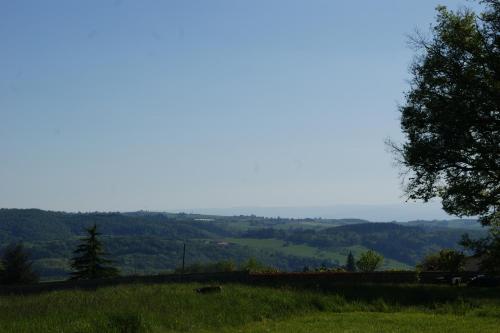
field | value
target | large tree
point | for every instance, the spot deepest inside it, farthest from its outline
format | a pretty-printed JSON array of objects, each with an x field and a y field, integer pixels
[
  {"x": 89, "y": 261},
  {"x": 17, "y": 266},
  {"x": 451, "y": 115}
]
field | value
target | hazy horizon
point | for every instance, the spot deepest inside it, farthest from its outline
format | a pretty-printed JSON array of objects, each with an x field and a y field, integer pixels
[
  {"x": 401, "y": 212},
  {"x": 374, "y": 213}
]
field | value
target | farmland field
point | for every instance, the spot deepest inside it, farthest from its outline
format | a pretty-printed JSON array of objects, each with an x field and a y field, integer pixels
[{"x": 240, "y": 308}]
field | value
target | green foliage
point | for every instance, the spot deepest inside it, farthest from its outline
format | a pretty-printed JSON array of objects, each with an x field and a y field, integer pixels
[
  {"x": 253, "y": 265},
  {"x": 324, "y": 268},
  {"x": 16, "y": 266},
  {"x": 89, "y": 262},
  {"x": 149, "y": 243},
  {"x": 220, "y": 266},
  {"x": 447, "y": 260},
  {"x": 402, "y": 243},
  {"x": 451, "y": 116},
  {"x": 369, "y": 261},
  {"x": 487, "y": 249},
  {"x": 350, "y": 265}
]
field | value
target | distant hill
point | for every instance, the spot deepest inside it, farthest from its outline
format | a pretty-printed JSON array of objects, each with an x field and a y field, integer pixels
[
  {"x": 455, "y": 224},
  {"x": 149, "y": 242},
  {"x": 401, "y": 211}
]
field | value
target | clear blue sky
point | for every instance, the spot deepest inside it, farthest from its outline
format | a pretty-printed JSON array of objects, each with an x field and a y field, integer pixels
[{"x": 126, "y": 105}]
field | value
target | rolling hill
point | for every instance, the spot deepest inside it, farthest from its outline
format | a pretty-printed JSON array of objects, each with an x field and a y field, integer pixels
[{"x": 151, "y": 242}]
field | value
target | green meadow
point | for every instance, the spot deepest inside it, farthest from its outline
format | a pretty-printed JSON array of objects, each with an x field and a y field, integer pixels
[
  {"x": 242, "y": 308},
  {"x": 338, "y": 254}
]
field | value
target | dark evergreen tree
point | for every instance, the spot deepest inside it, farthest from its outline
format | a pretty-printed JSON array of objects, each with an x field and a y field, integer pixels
[
  {"x": 17, "y": 266},
  {"x": 89, "y": 261},
  {"x": 350, "y": 265}
]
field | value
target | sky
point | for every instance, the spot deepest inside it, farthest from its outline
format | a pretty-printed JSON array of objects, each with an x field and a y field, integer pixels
[{"x": 184, "y": 105}]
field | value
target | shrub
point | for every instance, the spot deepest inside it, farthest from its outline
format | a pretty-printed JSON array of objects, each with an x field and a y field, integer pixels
[
  {"x": 369, "y": 261},
  {"x": 445, "y": 260}
]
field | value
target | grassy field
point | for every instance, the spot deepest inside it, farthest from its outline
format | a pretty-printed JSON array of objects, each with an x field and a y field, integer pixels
[
  {"x": 376, "y": 323},
  {"x": 301, "y": 250},
  {"x": 177, "y": 308}
]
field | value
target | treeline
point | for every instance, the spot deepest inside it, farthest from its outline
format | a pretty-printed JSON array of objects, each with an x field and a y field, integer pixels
[
  {"x": 37, "y": 225},
  {"x": 368, "y": 261},
  {"x": 251, "y": 265}
]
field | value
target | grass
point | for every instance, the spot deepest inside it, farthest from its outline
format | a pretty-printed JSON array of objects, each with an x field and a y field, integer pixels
[
  {"x": 376, "y": 322},
  {"x": 301, "y": 250},
  {"x": 177, "y": 308}
]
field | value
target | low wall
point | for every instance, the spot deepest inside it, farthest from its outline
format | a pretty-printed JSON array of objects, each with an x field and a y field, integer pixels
[
  {"x": 334, "y": 278},
  {"x": 312, "y": 279},
  {"x": 443, "y": 277}
]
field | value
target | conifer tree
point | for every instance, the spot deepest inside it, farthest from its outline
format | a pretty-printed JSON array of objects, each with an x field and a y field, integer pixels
[
  {"x": 89, "y": 261},
  {"x": 16, "y": 266},
  {"x": 350, "y": 265}
]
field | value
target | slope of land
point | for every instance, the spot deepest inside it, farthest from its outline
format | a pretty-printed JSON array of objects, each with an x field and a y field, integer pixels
[
  {"x": 146, "y": 242},
  {"x": 178, "y": 308},
  {"x": 337, "y": 255}
]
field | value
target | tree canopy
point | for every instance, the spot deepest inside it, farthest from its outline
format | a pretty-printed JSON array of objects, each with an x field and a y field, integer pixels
[
  {"x": 16, "y": 266},
  {"x": 445, "y": 260},
  {"x": 369, "y": 261},
  {"x": 487, "y": 249},
  {"x": 451, "y": 114}
]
